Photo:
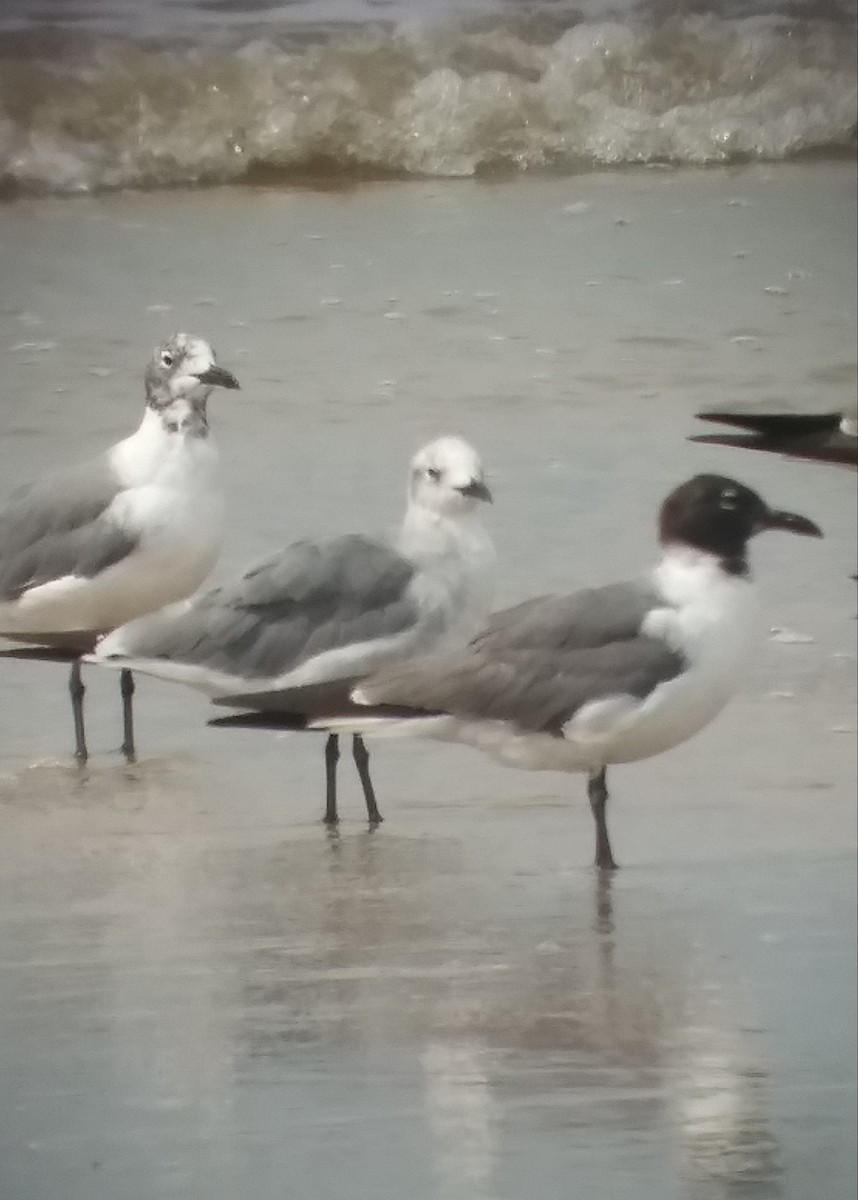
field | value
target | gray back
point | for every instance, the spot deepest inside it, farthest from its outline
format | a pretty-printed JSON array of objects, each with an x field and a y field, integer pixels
[{"x": 588, "y": 618}]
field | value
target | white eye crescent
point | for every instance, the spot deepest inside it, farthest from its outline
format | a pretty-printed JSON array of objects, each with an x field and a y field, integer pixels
[
  {"x": 729, "y": 498},
  {"x": 433, "y": 473},
  {"x": 167, "y": 358}
]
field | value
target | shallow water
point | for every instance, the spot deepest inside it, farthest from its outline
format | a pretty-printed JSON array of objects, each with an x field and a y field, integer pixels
[
  {"x": 202, "y": 993},
  {"x": 200, "y": 1003}
]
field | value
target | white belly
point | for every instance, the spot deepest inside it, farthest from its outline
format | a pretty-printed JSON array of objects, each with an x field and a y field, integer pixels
[
  {"x": 616, "y": 730},
  {"x": 671, "y": 715}
]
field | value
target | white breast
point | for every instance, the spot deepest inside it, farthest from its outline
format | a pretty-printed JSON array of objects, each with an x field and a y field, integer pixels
[
  {"x": 712, "y": 619},
  {"x": 172, "y": 498},
  {"x": 173, "y": 504},
  {"x": 455, "y": 584}
]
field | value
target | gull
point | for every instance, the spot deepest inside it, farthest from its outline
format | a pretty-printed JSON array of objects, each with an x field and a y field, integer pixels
[
  {"x": 88, "y": 549},
  {"x": 608, "y": 675},
  {"x": 320, "y": 614},
  {"x": 826, "y": 437}
]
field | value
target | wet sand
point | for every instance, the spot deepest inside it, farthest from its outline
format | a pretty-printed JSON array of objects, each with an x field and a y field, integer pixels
[{"x": 202, "y": 994}]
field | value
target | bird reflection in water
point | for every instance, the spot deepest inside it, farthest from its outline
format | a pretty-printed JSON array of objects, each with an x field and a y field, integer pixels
[{"x": 481, "y": 1009}]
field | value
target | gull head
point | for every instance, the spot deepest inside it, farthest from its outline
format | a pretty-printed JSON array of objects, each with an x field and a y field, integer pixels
[
  {"x": 719, "y": 516},
  {"x": 180, "y": 377},
  {"x": 447, "y": 478}
]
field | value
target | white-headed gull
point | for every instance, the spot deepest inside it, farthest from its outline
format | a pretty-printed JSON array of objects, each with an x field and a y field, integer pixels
[{"x": 321, "y": 614}]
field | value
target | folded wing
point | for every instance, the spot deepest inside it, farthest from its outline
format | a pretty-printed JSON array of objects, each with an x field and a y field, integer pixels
[
  {"x": 310, "y": 600},
  {"x": 59, "y": 527}
]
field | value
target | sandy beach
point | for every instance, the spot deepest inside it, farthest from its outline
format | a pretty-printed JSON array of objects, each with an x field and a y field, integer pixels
[{"x": 203, "y": 994}]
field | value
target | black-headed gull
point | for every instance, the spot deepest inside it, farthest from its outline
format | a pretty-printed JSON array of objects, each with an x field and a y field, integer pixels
[{"x": 90, "y": 548}]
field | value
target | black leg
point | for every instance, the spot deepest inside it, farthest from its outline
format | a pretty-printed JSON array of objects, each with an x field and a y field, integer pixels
[
  {"x": 76, "y": 689},
  {"x": 126, "y": 687},
  {"x": 332, "y": 755},
  {"x": 597, "y": 790},
  {"x": 361, "y": 756}
]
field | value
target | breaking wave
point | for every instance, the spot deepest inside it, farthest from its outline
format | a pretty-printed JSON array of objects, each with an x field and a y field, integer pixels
[{"x": 541, "y": 91}]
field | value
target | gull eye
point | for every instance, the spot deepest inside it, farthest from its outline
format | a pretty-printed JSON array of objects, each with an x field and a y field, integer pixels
[
  {"x": 433, "y": 473},
  {"x": 166, "y": 358},
  {"x": 729, "y": 499}
]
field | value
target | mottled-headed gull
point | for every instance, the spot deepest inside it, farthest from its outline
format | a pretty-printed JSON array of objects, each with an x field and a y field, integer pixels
[
  {"x": 321, "y": 614},
  {"x": 88, "y": 549},
  {"x": 611, "y": 675},
  {"x": 827, "y": 437}
]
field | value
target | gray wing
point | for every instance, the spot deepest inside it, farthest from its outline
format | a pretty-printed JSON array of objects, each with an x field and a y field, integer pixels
[
  {"x": 305, "y": 600},
  {"x": 538, "y": 663},
  {"x": 59, "y": 527}
]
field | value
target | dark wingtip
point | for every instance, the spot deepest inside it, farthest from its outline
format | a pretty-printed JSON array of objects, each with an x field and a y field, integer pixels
[
  {"x": 748, "y": 440},
  {"x": 748, "y": 421},
  {"x": 260, "y": 720},
  {"x": 783, "y": 422},
  {"x": 711, "y": 414}
]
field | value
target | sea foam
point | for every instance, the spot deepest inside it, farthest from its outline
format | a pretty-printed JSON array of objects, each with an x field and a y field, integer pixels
[{"x": 465, "y": 98}]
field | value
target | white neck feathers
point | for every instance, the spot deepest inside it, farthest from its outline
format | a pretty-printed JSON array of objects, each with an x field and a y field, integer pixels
[
  {"x": 156, "y": 453},
  {"x": 427, "y": 535},
  {"x": 707, "y": 611}
]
